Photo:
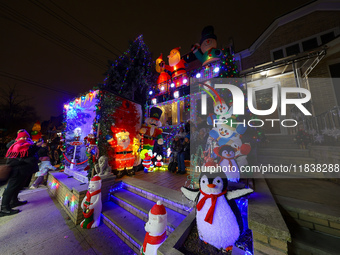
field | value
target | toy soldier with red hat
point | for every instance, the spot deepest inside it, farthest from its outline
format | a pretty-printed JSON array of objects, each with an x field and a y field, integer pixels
[{"x": 150, "y": 129}]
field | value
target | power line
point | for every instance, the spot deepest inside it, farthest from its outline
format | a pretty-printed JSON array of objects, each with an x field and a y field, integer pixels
[
  {"x": 61, "y": 19},
  {"x": 29, "y": 24},
  {"x": 35, "y": 83},
  {"x": 85, "y": 27}
]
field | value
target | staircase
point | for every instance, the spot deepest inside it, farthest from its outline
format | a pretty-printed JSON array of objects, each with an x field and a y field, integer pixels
[
  {"x": 310, "y": 206},
  {"x": 128, "y": 209},
  {"x": 282, "y": 150}
]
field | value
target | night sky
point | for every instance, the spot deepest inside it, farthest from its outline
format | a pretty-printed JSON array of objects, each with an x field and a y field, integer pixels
[{"x": 55, "y": 50}]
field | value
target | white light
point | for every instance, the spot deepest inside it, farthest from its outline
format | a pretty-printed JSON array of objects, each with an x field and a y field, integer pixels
[
  {"x": 176, "y": 94},
  {"x": 162, "y": 88},
  {"x": 185, "y": 81},
  {"x": 150, "y": 92},
  {"x": 154, "y": 101},
  {"x": 216, "y": 70},
  {"x": 263, "y": 73},
  {"x": 198, "y": 75},
  {"x": 172, "y": 85}
]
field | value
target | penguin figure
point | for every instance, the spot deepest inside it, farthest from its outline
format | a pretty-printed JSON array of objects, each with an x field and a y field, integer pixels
[
  {"x": 219, "y": 222},
  {"x": 228, "y": 162}
]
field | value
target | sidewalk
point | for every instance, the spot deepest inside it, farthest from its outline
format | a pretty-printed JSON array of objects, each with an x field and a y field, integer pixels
[{"x": 42, "y": 227}]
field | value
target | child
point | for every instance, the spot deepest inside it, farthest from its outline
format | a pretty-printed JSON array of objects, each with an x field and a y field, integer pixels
[{"x": 44, "y": 166}]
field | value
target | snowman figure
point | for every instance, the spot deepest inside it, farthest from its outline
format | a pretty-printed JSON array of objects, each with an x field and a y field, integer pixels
[
  {"x": 208, "y": 45},
  {"x": 92, "y": 204},
  {"x": 155, "y": 229},
  {"x": 219, "y": 222}
]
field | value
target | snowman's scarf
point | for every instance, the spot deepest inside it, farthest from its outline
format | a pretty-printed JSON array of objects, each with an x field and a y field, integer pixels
[
  {"x": 89, "y": 194},
  {"x": 148, "y": 239},
  {"x": 210, "y": 214},
  {"x": 19, "y": 149}
]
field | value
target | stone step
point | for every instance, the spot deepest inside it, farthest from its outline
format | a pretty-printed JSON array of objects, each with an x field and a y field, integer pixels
[
  {"x": 170, "y": 198},
  {"x": 285, "y": 160},
  {"x": 282, "y": 152},
  {"x": 127, "y": 226},
  {"x": 275, "y": 145},
  {"x": 281, "y": 138},
  {"x": 140, "y": 206},
  {"x": 305, "y": 241}
]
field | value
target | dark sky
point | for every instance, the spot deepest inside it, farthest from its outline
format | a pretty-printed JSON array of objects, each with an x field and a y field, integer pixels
[{"x": 64, "y": 45}]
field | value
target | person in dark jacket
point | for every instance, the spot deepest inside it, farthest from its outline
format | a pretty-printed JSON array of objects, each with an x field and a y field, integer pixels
[
  {"x": 184, "y": 155},
  {"x": 23, "y": 160}
]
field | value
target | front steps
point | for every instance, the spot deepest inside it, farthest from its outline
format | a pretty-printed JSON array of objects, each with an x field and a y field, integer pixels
[
  {"x": 311, "y": 209},
  {"x": 131, "y": 200},
  {"x": 310, "y": 206}
]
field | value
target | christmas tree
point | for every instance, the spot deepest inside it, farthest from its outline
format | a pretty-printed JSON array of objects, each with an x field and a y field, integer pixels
[{"x": 130, "y": 75}]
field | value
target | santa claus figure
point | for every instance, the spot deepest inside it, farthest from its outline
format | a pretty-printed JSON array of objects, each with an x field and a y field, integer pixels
[
  {"x": 147, "y": 163},
  {"x": 123, "y": 153},
  {"x": 176, "y": 64},
  {"x": 163, "y": 76}
]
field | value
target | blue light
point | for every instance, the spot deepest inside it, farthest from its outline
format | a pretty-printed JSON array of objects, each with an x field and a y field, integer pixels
[
  {"x": 216, "y": 70},
  {"x": 172, "y": 85},
  {"x": 198, "y": 75},
  {"x": 150, "y": 92}
]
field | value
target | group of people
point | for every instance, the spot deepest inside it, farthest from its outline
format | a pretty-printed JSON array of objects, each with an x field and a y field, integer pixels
[{"x": 23, "y": 156}]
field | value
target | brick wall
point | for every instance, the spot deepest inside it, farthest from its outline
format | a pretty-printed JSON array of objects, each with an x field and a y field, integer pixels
[
  {"x": 263, "y": 244},
  {"x": 319, "y": 223},
  {"x": 70, "y": 200}
]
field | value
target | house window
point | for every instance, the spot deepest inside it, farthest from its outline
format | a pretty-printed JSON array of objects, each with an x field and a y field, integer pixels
[
  {"x": 293, "y": 49},
  {"x": 309, "y": 44},
  {"x": 278, "y": 54},
  {"x": 335, "y": 74},
  {"x": 327, "y": 37}
]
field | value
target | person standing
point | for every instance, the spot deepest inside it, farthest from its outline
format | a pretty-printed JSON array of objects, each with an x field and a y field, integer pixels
[
  {"x": 184, "y": 155},
  {"x": 22, "y": 158}
]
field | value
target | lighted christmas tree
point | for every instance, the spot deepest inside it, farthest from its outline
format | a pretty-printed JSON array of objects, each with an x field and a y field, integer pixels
[{"x": 131, "y": 74}]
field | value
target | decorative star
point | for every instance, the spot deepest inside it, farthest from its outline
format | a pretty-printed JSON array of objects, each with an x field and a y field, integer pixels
[
  {"x": 318, "y": 138},
  {"x": 326, "y": 131},
  {"x": 335, "y": 133}
]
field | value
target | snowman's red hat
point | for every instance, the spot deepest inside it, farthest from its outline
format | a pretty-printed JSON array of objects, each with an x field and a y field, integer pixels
[
  {"x": 96, "y": 178},
  {"x": 158, "y": 209}
]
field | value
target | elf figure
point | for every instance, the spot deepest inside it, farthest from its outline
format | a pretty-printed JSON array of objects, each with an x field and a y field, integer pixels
[
  {"x": 36, "y": 134},
  {"x": 91, "y": 148},
  {"x": 92, "y": 204},
  {"x": 155, "y": 229},
  {"x": 151, "y": 131},
  {"x": 208, "y": 45},
  {"x": 176, "y": 64}
]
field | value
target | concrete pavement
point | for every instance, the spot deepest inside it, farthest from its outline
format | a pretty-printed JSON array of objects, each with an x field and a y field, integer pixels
[{"x": 42, "y": 227}]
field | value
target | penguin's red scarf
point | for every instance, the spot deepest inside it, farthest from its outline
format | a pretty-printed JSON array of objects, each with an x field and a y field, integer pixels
[
  {"x": 210, "y": 214},
  {"x": 153, "y": 239},
  {"x": 19, "y": 149}
]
